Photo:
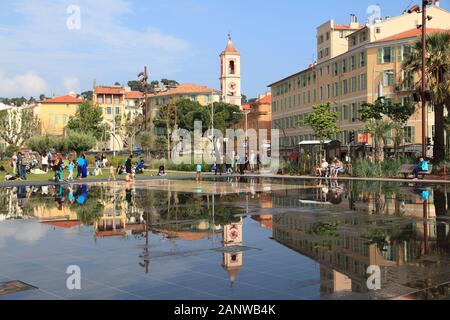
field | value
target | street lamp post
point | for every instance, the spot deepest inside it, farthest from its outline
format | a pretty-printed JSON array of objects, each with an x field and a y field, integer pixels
[
  {"x": 246, "y": 113},
  {"x": 425, "y": 18},
  {"x": 144, "y": 80}
]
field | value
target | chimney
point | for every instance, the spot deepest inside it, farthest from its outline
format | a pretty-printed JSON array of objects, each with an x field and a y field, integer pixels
[{"x": 354, "y": 21}]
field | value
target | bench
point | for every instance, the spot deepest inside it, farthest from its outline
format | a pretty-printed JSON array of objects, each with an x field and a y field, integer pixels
[{"x": 407, "y": 170}]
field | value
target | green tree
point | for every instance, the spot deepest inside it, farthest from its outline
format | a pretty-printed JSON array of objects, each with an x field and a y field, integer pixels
[
  {"x": 147, "y": 139},
  {"x": 87, "y": 95},
  {"x": 88, "y": 119},
  {"x": 17, "y": 126},
  {"x": 79, "y": 142},
  {"x": 383, "y": 117},
  {"x": 42, "y": 144},
  {"x": 438, "y": 80},
  {"x": 135, "y": 85},
  {"x": 323, "y": 121}
]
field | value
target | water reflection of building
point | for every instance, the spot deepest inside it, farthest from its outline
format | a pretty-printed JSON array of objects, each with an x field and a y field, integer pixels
[
  {"x": 344, "y": 256},
  {"x": 232, "y": 260}
]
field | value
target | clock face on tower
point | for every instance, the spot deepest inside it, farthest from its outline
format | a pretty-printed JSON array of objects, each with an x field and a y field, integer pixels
[{"x": 232, "y": 87}]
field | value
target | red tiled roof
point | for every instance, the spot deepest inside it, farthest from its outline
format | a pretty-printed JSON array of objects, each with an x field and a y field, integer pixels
[
  {"x": 187, "y": 88},
  {"x": 63, "y": 99},
  {"x": 246, "y": 106},
  {"x": 109, "y": 90},
  {"x": 134, "y": 95},
  {"x": 265, "y": 100},
  {"x": 411, "y": 34},
  {"x": 230, "y": 48},
  {"x": 67, "y": 224}
]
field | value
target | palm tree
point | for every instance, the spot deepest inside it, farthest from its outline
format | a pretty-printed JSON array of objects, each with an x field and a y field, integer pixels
[
  {"x": 438, "y": 79},
  {"x": 379, "y": 129}
]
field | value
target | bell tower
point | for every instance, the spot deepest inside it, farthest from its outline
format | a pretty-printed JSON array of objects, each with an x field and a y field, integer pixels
[{"x": 230, "y": 74}]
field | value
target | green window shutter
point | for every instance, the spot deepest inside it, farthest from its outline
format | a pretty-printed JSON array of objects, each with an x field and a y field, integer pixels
[
  {"x": 380, "y": 55},
  {"x": 399, "y": 53},
  {"x": 392, "y": 54},
  {"x": 413, "y": 134}
]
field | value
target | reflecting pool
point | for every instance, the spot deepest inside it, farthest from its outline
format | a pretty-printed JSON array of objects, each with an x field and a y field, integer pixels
[{"x": 227, "y": 238}]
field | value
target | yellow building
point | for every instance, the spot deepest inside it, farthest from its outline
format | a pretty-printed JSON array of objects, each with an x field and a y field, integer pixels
[
  {"x": 54, "y": 113},
  {"x": 116, "y": 102},
  {"x": 202, "y": 94},
  {"x": 356, "y": 64}
]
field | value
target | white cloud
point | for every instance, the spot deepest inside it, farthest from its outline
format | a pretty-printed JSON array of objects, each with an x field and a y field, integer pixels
[
  {"x": 105, "y": 48},
  {"x": 30, "y": 232},
  {"x": 71, "y": 84},
  {"x": 27, "y": 85}
]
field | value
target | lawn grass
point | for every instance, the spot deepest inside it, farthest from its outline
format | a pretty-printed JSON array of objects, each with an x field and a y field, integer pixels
[{"x": 50, "y": 175}]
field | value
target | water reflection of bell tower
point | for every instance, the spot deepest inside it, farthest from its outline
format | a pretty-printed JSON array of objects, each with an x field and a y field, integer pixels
[{"x": 232, "y": 260}]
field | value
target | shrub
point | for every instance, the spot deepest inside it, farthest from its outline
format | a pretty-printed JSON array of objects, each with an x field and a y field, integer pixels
[{"x": 388, "y": 168}]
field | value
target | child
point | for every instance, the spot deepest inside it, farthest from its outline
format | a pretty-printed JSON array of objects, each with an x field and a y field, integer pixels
[
  {"x": 112, "y": 173},
  {"x": 199, "y": 172},
  {"x": 70, "y": 168}
]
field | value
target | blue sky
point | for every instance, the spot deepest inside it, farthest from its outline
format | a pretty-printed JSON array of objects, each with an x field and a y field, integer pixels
[{"x": 176, "y": 39}]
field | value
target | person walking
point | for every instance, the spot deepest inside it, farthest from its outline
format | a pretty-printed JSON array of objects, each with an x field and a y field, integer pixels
[
  {"x": 21, "y": 167},
  {"x": 58, "y": 168},
  {"x": 85, "y": 167},
  {"x": 112, "y": 173},
  {"x": 14, "y": 164},
  {"x": 129, "y": 168},
  {"x": 44, "y": 163},
  {"x": 252, "y": 161},
  {"x": 198, "y": 176},
  {"x": 70, "y": 169},
  {"x": 80, "y": 163}
]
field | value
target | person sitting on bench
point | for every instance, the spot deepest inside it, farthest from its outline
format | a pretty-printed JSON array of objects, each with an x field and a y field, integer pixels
[
  {"x": 162, "y": 171},
  {"x": 421, "y": 167}
]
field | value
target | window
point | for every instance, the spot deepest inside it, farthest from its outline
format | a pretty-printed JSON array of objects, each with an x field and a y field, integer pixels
[
  {"x": 117, "y": 110},
  {"x": 327, "y": 52},
  {"x": 385, "y": 55},
  {"x": 353, "y": 62},
  {"x": 378, "y": 30},
  {"x": 108, "y": 110},
  {"x": 55, "y": 120},
  {"x": 388, "y": 78},
  {"x": 345, "y": 113},
  {"x": 410, "y": 134},
  {"x": 344, "y": 87},
  {"x": 321, "y": 93},
  {"x": 100, "y": 98},
  {"x": 362, "y": 59},
  {"x": 403, "y": 51},
  {"x": 328, "y": 35},
  {"x": 108, "y": 99},
  {"x": 341, "y": 34},
  {"x": 328, "y": 69},
  {"x": 116, "y": 99},
  {"x": 353, "y": 112},
  {"x": 335, "y": 90},
  {"x": 353, "y": 41},
  {"x": 231, "y": 67},
  {"x": 328, "y": 91},
  {"x": 353, "y": 84},
  {"x": 407, "y": 80},
  {"x": 335, "y": 69},
  {"x": 363, "y": 37},
  {"x": 344, "y": 66},
  {"x": 362, "y": 82},
  {"x": 320, "y": 39}
]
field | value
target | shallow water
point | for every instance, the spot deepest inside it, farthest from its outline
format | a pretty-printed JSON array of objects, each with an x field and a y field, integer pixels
[{"x": 227, "y": 239}]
